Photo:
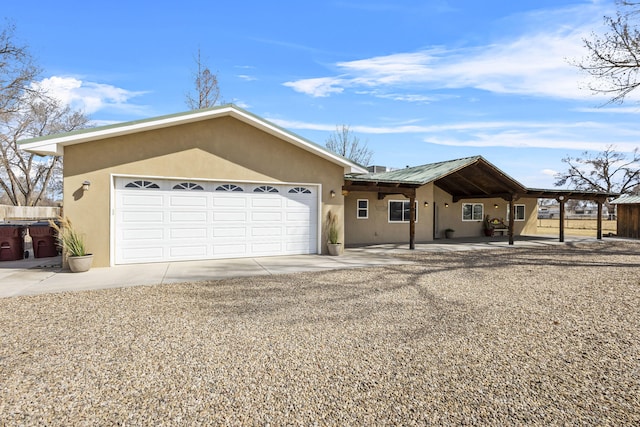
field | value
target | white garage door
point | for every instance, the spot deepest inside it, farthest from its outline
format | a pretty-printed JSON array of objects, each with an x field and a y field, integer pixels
[{"x": 173, "y": 220}]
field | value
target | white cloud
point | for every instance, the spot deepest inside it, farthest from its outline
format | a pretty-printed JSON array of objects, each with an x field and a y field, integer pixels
[
  {"x": 556, "y": 135},
  {"x": 549, "y": 172},
  {"x": 530, "y": 63},
  {"x": 320, "y": 87},
  {"x": 91, "y": 97}
]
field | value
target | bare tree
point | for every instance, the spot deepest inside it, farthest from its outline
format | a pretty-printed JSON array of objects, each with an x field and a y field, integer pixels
[
  {"x": 608, "y": 171},
  {"x": 614, "y": 58},
  {"x": 26, "y": 112},
  {"x": 207, "y": 91},
  {"x": 17, "y": 71},
  {"x": 26, "y": 177},
  {"x": 348, "y": 145}
]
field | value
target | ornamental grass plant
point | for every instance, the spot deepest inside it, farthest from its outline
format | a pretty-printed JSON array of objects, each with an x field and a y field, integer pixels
[{"x": 71, "y": 241}]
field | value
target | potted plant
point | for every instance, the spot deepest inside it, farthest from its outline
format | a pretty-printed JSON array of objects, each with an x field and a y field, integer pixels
[
  {"x": 73, "y": 245},
  {"x": 448, "y": 233},
  {"x": 332, "y": 229},
  {"x": 488, "y": 226}
]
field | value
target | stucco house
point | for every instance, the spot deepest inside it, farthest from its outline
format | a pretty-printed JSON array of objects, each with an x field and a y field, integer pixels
[
  {"x": 457, "y": 194},
  {"x": 224, "y": 183},
  {"x": 205, "y": 184}
]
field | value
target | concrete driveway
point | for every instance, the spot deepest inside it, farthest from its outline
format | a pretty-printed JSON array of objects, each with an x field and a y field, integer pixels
[{"x": 45, "y": 275}]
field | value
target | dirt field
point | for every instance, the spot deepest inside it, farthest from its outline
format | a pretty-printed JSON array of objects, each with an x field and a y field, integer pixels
[
  {"x": 575, "y": 227},
  {"x": 546, "y": 336}
]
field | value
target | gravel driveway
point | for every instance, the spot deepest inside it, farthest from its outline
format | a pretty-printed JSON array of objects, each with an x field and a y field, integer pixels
[{"x": 502, "y": 337}]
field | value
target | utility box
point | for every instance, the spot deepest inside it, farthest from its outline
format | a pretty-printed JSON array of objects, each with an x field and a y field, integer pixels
[{"x": 11, "y": 242}]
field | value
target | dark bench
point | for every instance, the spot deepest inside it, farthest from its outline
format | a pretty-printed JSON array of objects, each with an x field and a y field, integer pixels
[{"x": 496, "y": 225}]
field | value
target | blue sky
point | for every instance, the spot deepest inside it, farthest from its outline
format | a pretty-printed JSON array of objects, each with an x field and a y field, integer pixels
[{"x": 419, "y": 81}]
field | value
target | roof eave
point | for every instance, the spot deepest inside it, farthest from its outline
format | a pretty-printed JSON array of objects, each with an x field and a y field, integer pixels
[{"x": 54, "y": 145}]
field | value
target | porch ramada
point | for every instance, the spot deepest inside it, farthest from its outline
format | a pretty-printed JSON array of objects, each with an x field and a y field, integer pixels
[{"x": 465, "y": 179}]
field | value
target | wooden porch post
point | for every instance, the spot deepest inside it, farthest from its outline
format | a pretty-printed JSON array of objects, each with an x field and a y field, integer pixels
[
  {"x": 561, "y": 200},
  {"x": 512, "y": 218},
  {"x": 412, "y": 221},
  {"x": 599, "y": 226}
]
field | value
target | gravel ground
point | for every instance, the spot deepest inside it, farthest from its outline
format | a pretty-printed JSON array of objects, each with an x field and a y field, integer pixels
[{"x": 503, "y": 337}]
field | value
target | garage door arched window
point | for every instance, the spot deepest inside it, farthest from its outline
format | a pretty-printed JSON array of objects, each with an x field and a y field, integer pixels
[
  {"x": 300, "y": 190},
  {"x": 265, "y": 189},
  {"x": 188, "y": 186},
  {"x": 142, "y": 184},
  {"x": 228, "y": 187}
]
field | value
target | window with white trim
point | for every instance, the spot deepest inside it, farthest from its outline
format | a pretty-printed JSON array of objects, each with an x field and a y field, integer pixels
[
  {"x": 363, "y": 209},
  {"x": 300, "y": 190},
  {"x": 265, "y": 189},
  {"x": 188, "y": 186},
  {"x": 142, "y": 184},
  {"x": 518, "y": 213},
  {"x": 228, "y": 187},
  {"x": 399, "y": 211},
  {"x": 472, "y": 211}
]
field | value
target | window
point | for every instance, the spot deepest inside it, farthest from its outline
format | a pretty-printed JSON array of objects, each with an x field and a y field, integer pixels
[
  {"x": 188, "y": 186},
  {"x": 519, "y": 212},
  {"x": 399, "y": 211},
  {"x": 472, "y": 212},
  {"x": 363, "y": 209},
  {"x": 228, "y": 187},
  {"x": 300, "y": 190},
  {"x": 265, "y": 189},
  {"x": 142, "y": 184}
]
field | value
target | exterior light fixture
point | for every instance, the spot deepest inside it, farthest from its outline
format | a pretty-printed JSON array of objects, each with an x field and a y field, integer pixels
[
  {"x": 495, "y": 206},
  {"x": 446, "y": 205},
  {"x": 426, "y": 204},
  {"x": 85, "y": 185},
  {"x": 332, "y": 194}
]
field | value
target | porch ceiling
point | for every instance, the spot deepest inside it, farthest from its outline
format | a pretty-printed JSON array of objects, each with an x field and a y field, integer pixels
[{"x": 480, "y": 180}]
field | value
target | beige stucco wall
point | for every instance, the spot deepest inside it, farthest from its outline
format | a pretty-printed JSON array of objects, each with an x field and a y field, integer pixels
[
  {"x": 220, "y": 148},
  {"x": 377, "y": 229}
]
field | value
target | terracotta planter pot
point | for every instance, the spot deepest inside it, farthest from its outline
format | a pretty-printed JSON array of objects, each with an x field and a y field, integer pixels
[
  {"x": 80, "y": 264},
  {"x": 334, "y": 248}
]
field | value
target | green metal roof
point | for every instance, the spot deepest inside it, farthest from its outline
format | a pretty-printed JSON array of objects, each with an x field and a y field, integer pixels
[
  {"x": 418, "y": 174},
  {"x": 626, "y": 200}
]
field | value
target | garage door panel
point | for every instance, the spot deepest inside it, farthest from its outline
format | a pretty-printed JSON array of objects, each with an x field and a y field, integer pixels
[
  {"x": 188, "y": 233},
  {"x": 271, "y": 201},
  {"x": 167, "y": 223},
  {"x": 188, "y": 251},
  {"x": 266, "y": 231},
  {"x": 239, "y": 232},
  {"x": 137, "y": 199},
  {"x": 266, "y": 248},
  {"x": 297, "y": 231},
  {"x": 134, "y": 234},
  {"x": 188, "y": 216},
  {"x": 188, "y": 201},
  {"x": 145, "y": 254},
  {"x": 142, "y": 216},
  {"x": 231, "y": 249},
  {"x": 266, "y": 216},
  {"x": 237, "y": 216}
]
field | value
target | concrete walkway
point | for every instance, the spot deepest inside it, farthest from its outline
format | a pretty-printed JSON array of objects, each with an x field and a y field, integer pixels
[{"x": 45, "y": 275}]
